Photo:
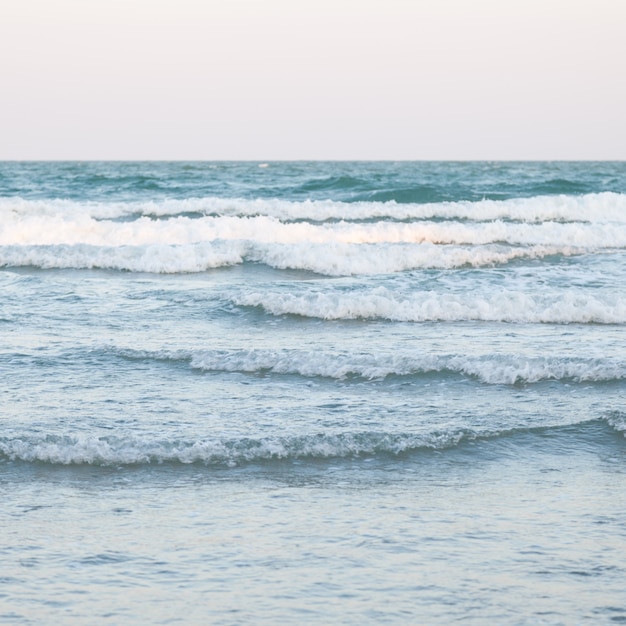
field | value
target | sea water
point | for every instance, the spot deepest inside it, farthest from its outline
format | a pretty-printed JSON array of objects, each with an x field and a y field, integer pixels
[{"x": 312, "y": 392}]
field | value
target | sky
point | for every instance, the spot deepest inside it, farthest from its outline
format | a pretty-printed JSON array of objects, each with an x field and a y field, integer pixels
[{"x": 312, "y": 79}]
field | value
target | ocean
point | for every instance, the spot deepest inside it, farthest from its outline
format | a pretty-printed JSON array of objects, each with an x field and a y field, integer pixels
[{"x": 313, "y": 392}]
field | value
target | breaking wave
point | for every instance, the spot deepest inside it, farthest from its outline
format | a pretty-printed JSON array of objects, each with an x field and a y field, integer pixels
[
  {"x": 325, "y": 237},
  {"x": 323, "y": 259},
  {"x": 594, "y": 207},
  {"x": 552, "y": 307},
  {"x": 490, "y": 369},
  {"x": 231, "y": 452}
]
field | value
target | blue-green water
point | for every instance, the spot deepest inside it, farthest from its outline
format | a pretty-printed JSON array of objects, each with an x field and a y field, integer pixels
[{"x": 277, "y": 393}]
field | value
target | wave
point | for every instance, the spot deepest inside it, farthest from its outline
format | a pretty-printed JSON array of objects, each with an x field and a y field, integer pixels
[
  {"x": 593, "y": 207},
  {"x": 57, "y": 230},
  {"x": 554, "y": 307},
  {"x": 179, "y": 236},
  {"x": 92, "y": 450},
  {"x": 490, "y": 369},
  {"x": 334, "y": 183},
  {"x": 559, "y": 186},
  {"x": 324, "y": 259},
  {"x": 352, "y": 189},
  {"x": 85, "y": 449},
  {"x": 157, "y": 259}
]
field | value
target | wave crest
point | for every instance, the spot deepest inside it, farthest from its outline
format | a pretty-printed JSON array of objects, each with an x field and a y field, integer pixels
[
  {"x": 565, "y": 307},
  {"x": 81, "y": 450},
  {"x": 490, "y": 369},
  {"x": 116, "y": 451},
  {"x": 594, "y": 207},
  {"x": 328, "y": 238}
]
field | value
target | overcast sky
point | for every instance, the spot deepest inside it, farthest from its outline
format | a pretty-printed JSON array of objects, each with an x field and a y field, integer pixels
[{"x": 313, "y": 79}]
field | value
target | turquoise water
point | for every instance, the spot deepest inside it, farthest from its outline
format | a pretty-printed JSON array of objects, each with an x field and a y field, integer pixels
[{"x": 321, "y": 393}]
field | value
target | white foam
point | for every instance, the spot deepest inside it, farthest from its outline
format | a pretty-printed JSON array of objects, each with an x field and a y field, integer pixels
[
  {"x": 65, "y": 234},
  {"x": 82, "y": 229},
  {"x": 158, "y": 259},
  {"x": 617, "y": 421},
  {"x": 496, "y": 369},
  {"x": 600, "y": 207},
  {"x": 84, "y": 449},
  {"x": 556, "y": 307},
  {"x": 328, "y": 259}
]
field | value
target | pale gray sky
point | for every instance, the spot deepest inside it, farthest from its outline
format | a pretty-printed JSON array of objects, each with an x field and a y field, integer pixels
[{"x": 312, "y": 79}]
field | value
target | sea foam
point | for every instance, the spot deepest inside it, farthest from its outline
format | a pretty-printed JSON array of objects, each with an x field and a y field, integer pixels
[
  {"x": 329, "y": 238},
  {"x": 83, "y": 449},
  {"x": 606, "y": 206},
  {"x": 564, "y": 306},
  {"x": 495, "y": 369}
]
